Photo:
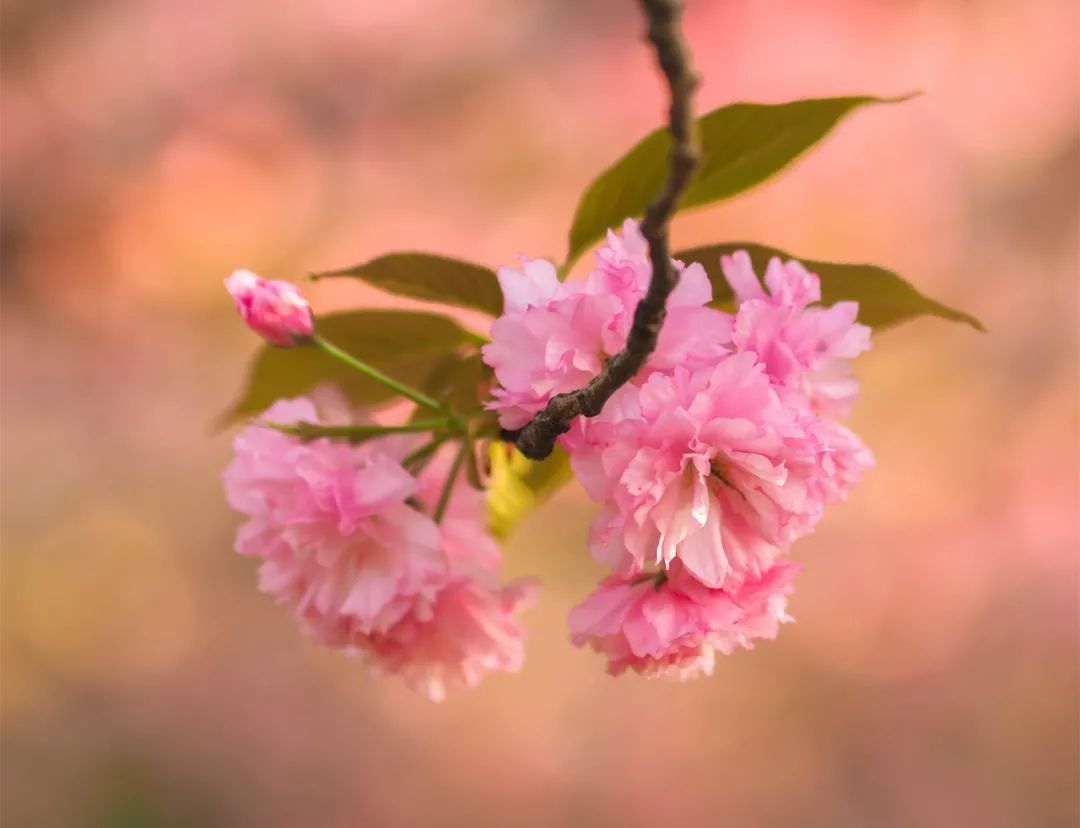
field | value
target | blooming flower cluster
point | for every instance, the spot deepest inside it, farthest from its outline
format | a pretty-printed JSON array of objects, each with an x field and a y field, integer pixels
[
  {"x": 346, "y": 542},
  {"x": 719, "y": 454}
]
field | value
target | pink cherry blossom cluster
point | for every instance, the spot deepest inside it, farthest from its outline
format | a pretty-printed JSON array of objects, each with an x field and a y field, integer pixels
[
  {"x": 720, "y": 454},
  {"x": 709, "y": 464},
  {"x": 344, "y": 548}
]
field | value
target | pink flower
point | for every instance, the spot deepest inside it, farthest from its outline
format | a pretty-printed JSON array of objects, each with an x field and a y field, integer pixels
[
  {"x": 673, "y": 625},
  {"x": 547, "y": 341},
  {"x": 692, "y": 334},
  {"x": 466, "y": 540},
  {"x": 470, "y": 627},
  {"x": 709, "y": 467},
  {"x": 804, "y": 348},
  {"x": 339, "y": 544},
  {"x": 344, "y": 547},
  {"x": 276, "y": 311},
  {"x": 554, "y": 336},
  {"x": 469, "y": 630},
  {"x": 845, "y": 458}
]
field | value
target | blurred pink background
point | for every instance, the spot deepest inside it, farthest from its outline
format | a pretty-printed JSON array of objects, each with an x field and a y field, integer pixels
[{"x": 151, "y": 147}]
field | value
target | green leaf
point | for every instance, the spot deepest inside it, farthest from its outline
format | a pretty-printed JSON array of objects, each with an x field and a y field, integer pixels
[
  {"x": 742, "y": 145},
  {"x": 403, "y": 344},
  {"x": 459, "y": 380},
  {"x": 518, "y": 485},
  {"x": 884, "y": 298},
  {"x": 431, "y": 278}
]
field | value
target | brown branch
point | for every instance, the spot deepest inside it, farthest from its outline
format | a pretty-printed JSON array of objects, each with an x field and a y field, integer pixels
[{"x": 537, "y": 439}]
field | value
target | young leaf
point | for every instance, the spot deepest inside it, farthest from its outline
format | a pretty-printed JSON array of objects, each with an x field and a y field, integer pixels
[
  {"x": 518, "y": 485},
  {"x": 742, "y": 145},
  {"x": 431, "y": 278},
  {"x": 884, "y": 298},
  {"x": 404, "y": 344}
]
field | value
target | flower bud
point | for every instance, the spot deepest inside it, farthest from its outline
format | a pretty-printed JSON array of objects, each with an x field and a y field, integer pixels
[{"x": 275, "y": 310}]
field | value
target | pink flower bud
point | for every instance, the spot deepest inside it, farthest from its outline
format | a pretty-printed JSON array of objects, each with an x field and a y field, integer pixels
[{"x": 276, "y": 311}]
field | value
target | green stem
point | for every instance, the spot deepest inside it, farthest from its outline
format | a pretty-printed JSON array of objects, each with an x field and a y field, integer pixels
[
  {"x": 472, "y": 468},
  {"x": 356, "y": 432},
  {"x": 377, "y": 375},
  {"x": 425, "y": 451},
  {"x": 448, "y": 486}
]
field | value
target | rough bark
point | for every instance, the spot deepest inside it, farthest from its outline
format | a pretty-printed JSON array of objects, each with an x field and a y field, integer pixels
[{"x": 537, "y": 438}]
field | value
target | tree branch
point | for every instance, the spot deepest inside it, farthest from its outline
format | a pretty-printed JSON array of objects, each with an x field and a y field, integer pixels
[{"x": 537, "y": 439}]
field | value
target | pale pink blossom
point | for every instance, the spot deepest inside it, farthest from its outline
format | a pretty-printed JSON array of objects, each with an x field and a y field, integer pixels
[
  {"x": 692, "y": 334},
  {"x": 466, "y": 539},
  {"x": 803, "y": 345},
  {"x": 339, "y": 544},
  {"x": 554, "y": 336},
  {"x": 469, "y": 630},
  {"x": 845, "y": 458},
  {"x": 275, "y": 310},
  {"x": 548, "y": 340},
  {"x": 670, "y": 624},
  {"x": 709, "y": 467},
  {"x": 348, "y": 546}
]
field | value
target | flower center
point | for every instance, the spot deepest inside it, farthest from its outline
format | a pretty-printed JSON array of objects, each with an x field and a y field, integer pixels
[
  {"x": 721, "y": 470},
  {"x": 659, "y": 578}
]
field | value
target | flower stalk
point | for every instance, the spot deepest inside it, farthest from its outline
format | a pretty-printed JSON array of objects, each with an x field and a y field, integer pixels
[
  {"x": 448, "y": 486},
  {"x": 355, "y": 432},
  {"x": 417, "y": 397}
]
